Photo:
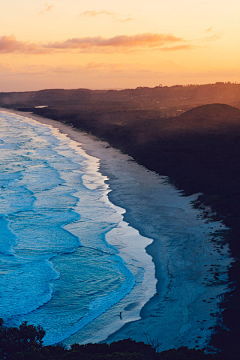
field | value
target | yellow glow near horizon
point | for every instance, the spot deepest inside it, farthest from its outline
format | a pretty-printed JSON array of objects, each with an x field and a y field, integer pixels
[{"x": 126, "y": 44}]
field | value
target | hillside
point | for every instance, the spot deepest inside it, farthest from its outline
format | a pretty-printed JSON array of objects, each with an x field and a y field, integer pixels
[{"x": 167, "y": 101}]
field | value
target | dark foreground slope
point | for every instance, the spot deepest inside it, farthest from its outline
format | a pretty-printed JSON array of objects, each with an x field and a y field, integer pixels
[{"x": 26, "y": 343}]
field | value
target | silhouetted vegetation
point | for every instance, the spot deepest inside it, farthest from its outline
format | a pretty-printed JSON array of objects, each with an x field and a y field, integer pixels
[
  {"x": 25, "y": 343},
  {"x": 25, "y": 339}
]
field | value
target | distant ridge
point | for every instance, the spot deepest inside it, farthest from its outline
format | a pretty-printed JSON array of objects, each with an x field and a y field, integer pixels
[
  {"x": 206, "y": 118},
  {"x": 214, "y": 112}
]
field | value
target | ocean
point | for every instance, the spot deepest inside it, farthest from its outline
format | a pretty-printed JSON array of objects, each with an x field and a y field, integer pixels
[{"x": 72, "y": 260}]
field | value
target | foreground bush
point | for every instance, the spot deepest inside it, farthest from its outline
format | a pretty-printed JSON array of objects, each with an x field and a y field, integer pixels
[{"x": 26, "y": 343}]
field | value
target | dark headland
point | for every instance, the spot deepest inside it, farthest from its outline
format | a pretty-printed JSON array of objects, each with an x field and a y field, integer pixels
[{"x": 189, "y": 133}]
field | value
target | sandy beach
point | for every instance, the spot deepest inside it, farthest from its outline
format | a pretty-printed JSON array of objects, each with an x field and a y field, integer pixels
[{"x": 190, "y": 268}]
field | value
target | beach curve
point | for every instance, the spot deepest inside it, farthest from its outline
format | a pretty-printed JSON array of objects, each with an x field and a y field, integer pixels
[{"x": 156, "y": 311}]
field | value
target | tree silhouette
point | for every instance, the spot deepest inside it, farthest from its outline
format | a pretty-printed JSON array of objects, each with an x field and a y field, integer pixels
[{"x": 16, "y": 340}]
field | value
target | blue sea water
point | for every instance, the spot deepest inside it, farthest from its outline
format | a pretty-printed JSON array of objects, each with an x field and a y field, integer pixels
[{"x": 56, "y": 267}]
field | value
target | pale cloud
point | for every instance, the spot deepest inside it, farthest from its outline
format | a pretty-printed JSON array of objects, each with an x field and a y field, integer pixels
[
  {"x": 146, "y": 40},
  {"x": 93, "y": 66},
  {"x": 209, "y": 38},
  {"x": 90, "y": 67},
  {"x": 107, "y": 66},
  {"x": 46, "y": 8},
  {"x": 64, "y": 70},
  {"x": 178, "y": 47},
  {"x": 93, "y": 13},
  {"x": 113, "y": 15},
  {"x": 171, "y": 66},
  {"x": 213, "y": 37},
  {"x": 9, "y": 44},
  {"x": 121, "y": 43},
  {"x": 5, "y": 68},
  {"x": 125, "y": 20}
]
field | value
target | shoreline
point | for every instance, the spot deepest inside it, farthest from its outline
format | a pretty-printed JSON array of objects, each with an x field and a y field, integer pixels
[
  {"x": 150, "y": 307},
  {"x": 93, "y": 160}
]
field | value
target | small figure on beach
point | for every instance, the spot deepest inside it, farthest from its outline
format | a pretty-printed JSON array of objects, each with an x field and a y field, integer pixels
[{"x": 120, "y": 315}]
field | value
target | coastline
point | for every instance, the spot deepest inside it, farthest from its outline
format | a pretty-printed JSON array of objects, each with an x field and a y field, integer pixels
[{"x": 150, "y": 311}]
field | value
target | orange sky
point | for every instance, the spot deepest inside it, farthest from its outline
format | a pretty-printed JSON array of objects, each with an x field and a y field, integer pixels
[{"x": 101, "y": 44}]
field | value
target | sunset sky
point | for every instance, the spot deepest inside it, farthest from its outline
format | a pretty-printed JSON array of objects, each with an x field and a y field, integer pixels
[{"x": 102, "y": 44}]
